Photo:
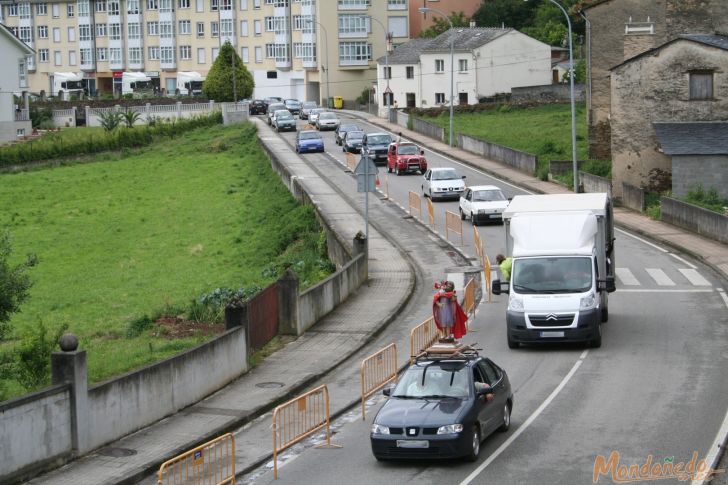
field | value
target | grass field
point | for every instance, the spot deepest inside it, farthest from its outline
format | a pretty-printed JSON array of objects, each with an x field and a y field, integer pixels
[{"x": 136, "y": 233}]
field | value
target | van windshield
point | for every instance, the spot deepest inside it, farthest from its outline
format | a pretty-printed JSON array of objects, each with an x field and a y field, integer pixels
[{"x": 552, "y": 275}]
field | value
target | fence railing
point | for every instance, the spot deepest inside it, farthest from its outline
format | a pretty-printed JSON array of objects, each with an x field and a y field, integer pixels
[
  {"x": 422, "y": 336},
  {"x": 22, "y": 115},
  {"x": 453, "y": 223},
  {"x": 210, "y": 463},
  {"x": 484, "y": 260},
  {"x": 431, "y": 213},
  {"x": 469, "y": 297},
  {"x": 377, "y": 371},
  {"x": 415, "y": 204}
]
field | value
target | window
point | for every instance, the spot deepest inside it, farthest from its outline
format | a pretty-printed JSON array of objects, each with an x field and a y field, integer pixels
[
  {"x": 353, "y": 24},
  {"x": 258, "y": 53},
  {"x": 183, "y": 3},
  {"x": 200, "y": 29},
  {"x": 271, "y": 75},
  {"x": 86, "y": 56},
  {"x": 243, "y": 28},
  {"x": 256, "y": 5},
  {"x": 102, "y": 54},
  {"x": 26, "y": 34},
  {"x": 42, "y": 55},
  {"x": 166, "y": 29},
  {"x": 439, "y": 65},
  {"x": 701, "y": 85},
  {"x": 152, "y": 5},
  {"x": 410, "y": 72},
  {"x": 101, "y": 6},
  {"x": 279, "y": 25},
  {"x": 398, "y": 26},
  {"x": 199, "y": 5},
  {"x": 185, "y": 52},
  {"x": 83, "y": 10},
  {"x": 13, "y": 10},
  {"x": 115, "y": 55},
  {"x": 306, "y": 51},
  {"x": 387, "y": 71},
  {"x": 439, "y": 98},
  {"x": 132, "y": 6},
  {"x": 215, "y": 52},
  {"x": 56, "y": 34},
  {"x": 167, "y": 54},
  {"x": 41, "y": 9},
  {"x": 135, "y": 55},
  {"x": 185, "y": 27},
  {"x": 462, "y": 65},
  {"x": 226, "y": 28},
  {"x": 70, "y": 10},
  {"x": 113, "y": 7},
  {"x": 277, "y": 3},
  {"x": 257, "y": 27},
  {"x": 134, "y": 30},
  {"x": 24, "y": 10},
  {"x": 100, "y": 30},
  {"x": 166, "y": 5},
  {"x": 57, "y": 58},
  {"x": 354, "y": 4},
  {"x": 55, "y": 11},
  {"x": 153, "y": 53},
  {"x": 397, "y": 4},
  {"x": 245, "y": 55},
  {"x": 279, "y": 52},
  {"x": 226, "y": 4},
  {"x": 215, "y": 29},
  {"x": 200, "y": 55},
  {"x": 115, "y": 31},
  {"x": 84, "y": 32},
  {"x": 214, "y": 5},
  {"x": 71, "y": 58},
  {"x": 152, "y": 28},
  {"x": 72, "y": 34},
  {"x": 243, "y": 4},
  {"x": 354, "y": 52}
]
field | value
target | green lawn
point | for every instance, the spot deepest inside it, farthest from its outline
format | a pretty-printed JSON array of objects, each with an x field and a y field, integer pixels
[{"x": 131, "y": 234}]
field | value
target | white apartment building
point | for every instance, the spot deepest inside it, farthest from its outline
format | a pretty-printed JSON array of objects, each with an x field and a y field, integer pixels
[
  {"x": 14, "y": 119},
  {"x": 286, "y": 44}
]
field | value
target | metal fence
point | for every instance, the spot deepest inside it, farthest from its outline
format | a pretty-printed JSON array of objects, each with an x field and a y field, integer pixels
[
  {"x": 211, "y": 463},
  {"x": 263, "y": 317},
  {"x": 377, "y": 371}
]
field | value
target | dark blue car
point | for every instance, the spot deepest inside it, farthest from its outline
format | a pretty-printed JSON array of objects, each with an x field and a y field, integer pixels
[{"x": 309, "y": 141}]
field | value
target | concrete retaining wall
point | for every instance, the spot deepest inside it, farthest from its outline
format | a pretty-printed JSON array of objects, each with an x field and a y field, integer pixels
[
  {"x": 402, "y": 118},
  {"x": 35, "y": 431},
  {"x": 633, "y": 197},
  {"x": 555, "y": 93},
  {"x": 594, "y": 183},
  {"x": 516, "y": 159},
  {"x": 428, "y": 129},
  {"x": 693, "y": 218},
  {"x": 561, "y": 167}
]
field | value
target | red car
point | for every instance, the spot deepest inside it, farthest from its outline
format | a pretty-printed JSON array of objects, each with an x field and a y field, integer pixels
[{"x": 405, "y": 157}]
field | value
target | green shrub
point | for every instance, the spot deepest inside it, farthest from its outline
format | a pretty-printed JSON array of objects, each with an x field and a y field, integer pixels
[
  {"x": 110, "y": 120},
  {"x": 39, "y": 116},
  {"x": 130, "y": 117},
  {"x": 137, "y": 326},
  {"x": 33, "y": 356},
  {"x": 707, "y": 199}
]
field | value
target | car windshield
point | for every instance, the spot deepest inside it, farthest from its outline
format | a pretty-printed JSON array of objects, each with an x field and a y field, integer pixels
[
  {"x": 354, "y": 135},
  {"x": 434, "y": 380},
  {"x": 552, "y": 275},
  {"x": 488, "y": 195},
  {"x": 293, "y": 103},
  {"x": 284, "y": 116},
  {"x": 309, "y": 105},
  {"x": 379, "y": 140},
  {"x": 344, "y": 128},
  {"x": 317, "y": 111},
  {"x": 408, "y": 150},
  {"x": 447, "y": 174},
  {"x": 327, "y": 116},
  {"x": 272, "y": 108},
  {"x": 308, "y": 135}
]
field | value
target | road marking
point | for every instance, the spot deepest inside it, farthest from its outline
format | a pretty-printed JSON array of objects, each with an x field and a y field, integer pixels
[
  {"x": 528, "y": 421},
  {"x": 660, "y": 277},
  {"x": 683, "y": 260},
  {"x": 655, "y": 290},
  {"x": 642, "y": 240},
  {"x": 694, "y": 277},
  {"x": 626, "y": 277}
]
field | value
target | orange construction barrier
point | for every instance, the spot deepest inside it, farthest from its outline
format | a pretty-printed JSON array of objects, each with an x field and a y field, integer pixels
[
  {"x": 415, "y": 204},
  {"x": 212, "y": 462},
  {"x": 423, "y": 336},
  {"x": 377, "y": 371},
  {"x": 469, "y": 298},
  {"x": 431, "y": 212},
  {"x": 350, "y": 161},
  {"x": 453, "y": 223}
]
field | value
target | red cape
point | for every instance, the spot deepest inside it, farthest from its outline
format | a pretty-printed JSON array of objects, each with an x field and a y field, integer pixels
[{"x": 459, "y": 329}]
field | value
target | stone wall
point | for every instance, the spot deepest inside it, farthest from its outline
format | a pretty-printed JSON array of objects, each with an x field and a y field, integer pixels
[
  {"x": 709, "y": 171},
  {"x": 551, "y": 93}
]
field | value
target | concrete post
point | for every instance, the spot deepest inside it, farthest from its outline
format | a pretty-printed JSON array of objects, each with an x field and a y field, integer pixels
[
  {"x": 288, "y": 293},
  {"x": 361, "y": 246},
  {"x": 74, "y": 116},
  {"x": 69, "y": 366},
  {"x": 88, "y": 115},
  {"x": 179, "y": 109}
]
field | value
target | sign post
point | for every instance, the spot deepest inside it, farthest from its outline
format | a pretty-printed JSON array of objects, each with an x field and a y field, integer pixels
[{"x": 366, "y": 175}]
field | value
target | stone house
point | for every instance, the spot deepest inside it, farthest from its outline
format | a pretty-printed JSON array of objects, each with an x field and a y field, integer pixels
[
  {"x": 620, "y": 29},
  {"x": 14, "y": 119},
  {"x": 665, "y": 95}
]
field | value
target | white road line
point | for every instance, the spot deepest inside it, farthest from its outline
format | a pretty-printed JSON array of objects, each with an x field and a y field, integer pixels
[
  {"x": 626, "y": 277},
  {"x": 655, "y": 290},
  {"x": 528, "y": 421},
  {"x": 683, "y": 260},
  {"x": 660, "y": 277},
  {"x": 694, "y": 277},
  {"x": 642, "y": 240}
]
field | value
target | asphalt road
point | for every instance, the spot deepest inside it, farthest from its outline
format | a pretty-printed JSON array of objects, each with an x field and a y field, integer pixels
[{"x": 657, "y": 386}]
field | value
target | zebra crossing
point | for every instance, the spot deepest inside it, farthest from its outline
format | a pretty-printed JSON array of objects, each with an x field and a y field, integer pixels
[{"x": 651, "y": 277}]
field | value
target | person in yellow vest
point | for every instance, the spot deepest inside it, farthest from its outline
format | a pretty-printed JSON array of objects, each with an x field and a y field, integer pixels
[{"x": 505, "y": 266}]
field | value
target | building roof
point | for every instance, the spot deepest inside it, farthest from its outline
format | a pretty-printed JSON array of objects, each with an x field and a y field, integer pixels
[
  {"x": 15, "y": 40},
  {"x": 407, "y": 53},
  {"x": 714, "y": 40},
  {"x": 693, "y": 138},
  {"x": 465, "y": 38}
]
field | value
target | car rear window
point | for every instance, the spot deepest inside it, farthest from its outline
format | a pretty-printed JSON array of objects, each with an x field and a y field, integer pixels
[
  {"x": 379, "y": 140},
  {"x": 308, "y": 135},
  {"x": 488, "y": 195}
]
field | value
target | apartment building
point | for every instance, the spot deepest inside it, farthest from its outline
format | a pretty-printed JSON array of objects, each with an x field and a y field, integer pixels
[{"x": 286, "y": 44}]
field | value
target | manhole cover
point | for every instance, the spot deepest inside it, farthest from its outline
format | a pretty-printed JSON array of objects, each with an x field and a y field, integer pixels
[
  {"x": 117, "y": 452},
  {"x": 269, "y": 385}
]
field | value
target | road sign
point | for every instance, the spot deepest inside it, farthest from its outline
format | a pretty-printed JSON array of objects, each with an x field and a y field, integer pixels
[{"x": 366, "y": 175}]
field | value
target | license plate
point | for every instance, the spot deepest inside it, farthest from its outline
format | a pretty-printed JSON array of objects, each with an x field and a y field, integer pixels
[
  {"x": 494, "y": 216},
  {"x": 552, "y": 334},
  {"x": 413, "y": 444}
]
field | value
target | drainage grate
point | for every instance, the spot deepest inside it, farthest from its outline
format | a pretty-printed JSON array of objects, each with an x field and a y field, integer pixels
[
  {"x": 117, "y": 452},
  {"x": 269, "y": 385}
]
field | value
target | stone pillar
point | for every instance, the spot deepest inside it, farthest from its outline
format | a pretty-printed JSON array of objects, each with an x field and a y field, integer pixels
[
  {"x": 179, "y": 109},
  {"x": 88, "y": 115},
  {"x": 288, "y": 293},
  {"x": 361, "y": 246},
  {"x": 69, "y": 366}
]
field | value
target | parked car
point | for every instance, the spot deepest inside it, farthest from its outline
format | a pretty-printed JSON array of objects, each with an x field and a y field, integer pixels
[
  {"x": 306, "y": 107},
  {"x": 313, "y": 115},
  {"x": 293, "y": 105},
  {"x": 283, "y": 120},
  {"x": 375, "y": 146},
  {"x": 483, "y": 203},
  {"x": 406, "y": 157},
  {"x": 272, "y": 108},
  {"x": 352, "y": 141},
  {"x": 327, "y": 121},
  {"x": 309, "y": 141},
  {"x": 272, "y": 99},
  {"x": 276, "y": 114},
  {"x": 443, "y": 183},
  {"x": 443, "y": 407},
  {"x": 342, "y": 129},
  {"x": 257, "y": 107}
]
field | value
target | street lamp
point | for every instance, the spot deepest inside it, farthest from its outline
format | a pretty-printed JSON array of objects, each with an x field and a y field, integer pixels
[
  {"x": 326, "y": 41},
  {"x": 387, "y": 40},
  {"x": 452, "y": 61},
  {"x": 573, "y": 105}
]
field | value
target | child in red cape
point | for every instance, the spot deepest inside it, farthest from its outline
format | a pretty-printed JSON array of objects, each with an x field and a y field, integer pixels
[{"x": 447, "y": 312}]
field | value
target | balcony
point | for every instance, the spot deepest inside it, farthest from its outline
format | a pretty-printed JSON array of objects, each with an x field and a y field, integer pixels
[{"x": 22, "y": 115}]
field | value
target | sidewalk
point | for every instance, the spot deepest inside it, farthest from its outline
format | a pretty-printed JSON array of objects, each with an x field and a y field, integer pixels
[{"x": 712, "y": 253}]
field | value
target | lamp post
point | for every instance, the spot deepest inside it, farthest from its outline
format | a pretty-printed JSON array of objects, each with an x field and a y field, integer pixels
[
  {"x": 326, "y": 57},
  {"x": 387, "y": 40},
  {"x": 573, "y": 105},
  {"x": 452, "y": 62}
]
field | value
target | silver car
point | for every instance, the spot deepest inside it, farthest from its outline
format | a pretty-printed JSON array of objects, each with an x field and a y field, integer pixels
[
  {"x": 314, "y": 114},
  {"x": 327, "y": 121},
  {"x": 306, "y": 108}
]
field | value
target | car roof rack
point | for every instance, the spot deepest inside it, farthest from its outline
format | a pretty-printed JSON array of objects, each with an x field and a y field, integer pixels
[{"x": 443, "y": 350}]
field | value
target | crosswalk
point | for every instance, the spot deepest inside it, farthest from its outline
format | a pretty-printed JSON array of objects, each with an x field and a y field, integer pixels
[{"x": 678, "y": 277}]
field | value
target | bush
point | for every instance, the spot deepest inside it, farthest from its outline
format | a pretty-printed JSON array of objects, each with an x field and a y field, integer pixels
[
  {"x": 33, "y": 356},
  {"x": 39, "y": 116},
  {"x": 707, "y": 199}
]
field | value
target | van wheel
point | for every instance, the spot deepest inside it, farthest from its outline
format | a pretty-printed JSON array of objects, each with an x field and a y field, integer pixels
[
  {"x": 605, "y": 314},
  {"x": 597, "y": 341},
  {"x": 512, "y": 344},
  {"x": 474, "y": 445}
]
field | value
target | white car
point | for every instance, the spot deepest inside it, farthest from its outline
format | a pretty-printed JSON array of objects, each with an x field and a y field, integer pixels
[
  {"x": 443, "y": 183},
  {"x": 314, "y": 114},
  {"x": 483, "y": 203},
  {"x": 327, "y": 121}
]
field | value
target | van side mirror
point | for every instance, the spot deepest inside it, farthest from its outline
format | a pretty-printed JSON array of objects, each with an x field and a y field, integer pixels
[
  {"x": 607, "y": 284},
  {"x": 496, "y": 287},
  {"x": 464, "y": 176},
  {"x": 387, "y": 391},
  {"x": 422, "y": 152}
]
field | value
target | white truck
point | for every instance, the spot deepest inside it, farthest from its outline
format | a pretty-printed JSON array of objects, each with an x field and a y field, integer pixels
[
  {"x": 189, "y": 83},
  {"x": 137, "y": 84},
  {"x": 66, "y": 84},
  {"x": 562, "y": 250}
]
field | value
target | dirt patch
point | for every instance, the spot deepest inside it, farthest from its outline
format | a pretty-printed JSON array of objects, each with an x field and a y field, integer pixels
[{"x": 172, "y": 327}]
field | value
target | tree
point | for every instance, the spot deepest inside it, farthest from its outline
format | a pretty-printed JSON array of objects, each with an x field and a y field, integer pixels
[
  {"x": 14, "y": 283},
  {"x": 440, "y": 25},
  {"x": 219, "y": 82}
]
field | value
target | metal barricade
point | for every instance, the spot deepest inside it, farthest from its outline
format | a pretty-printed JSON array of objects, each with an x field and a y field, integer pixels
[
  {"x": 377, "y": 371},
  {"x": 453, "y": 223},
  {"x": 487, "y": 270},
  {"x": 469, "y": 298},
  {"x": 422, "y": 336},
  {"x": 350, "y": 161},
  {"x": 210, "y": 463},
  {"x": 298, "y": 419},
  {"x": 431, "y": 213},
  {"x": 415, "y": 204}
]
